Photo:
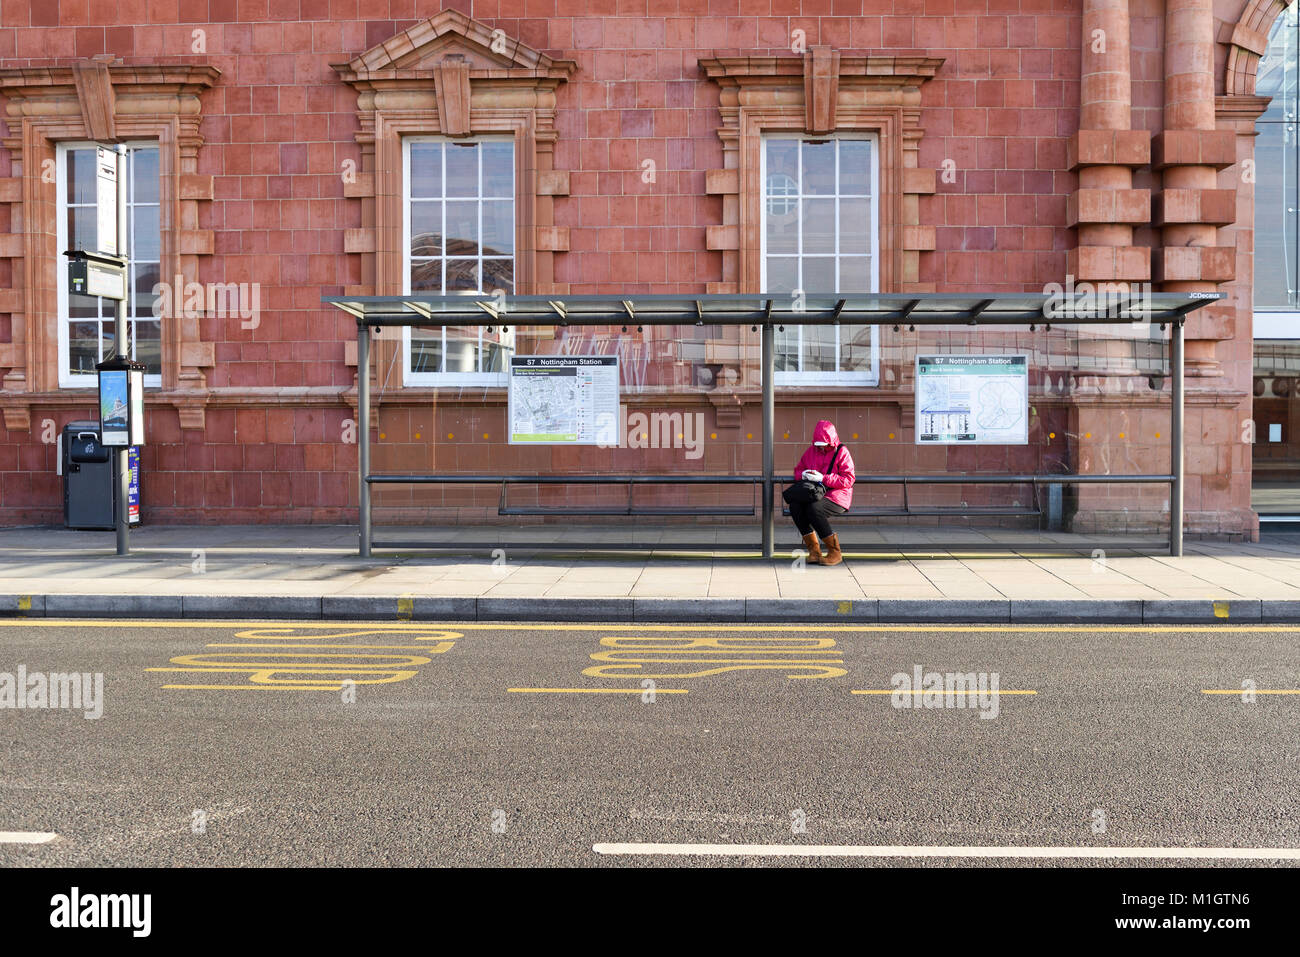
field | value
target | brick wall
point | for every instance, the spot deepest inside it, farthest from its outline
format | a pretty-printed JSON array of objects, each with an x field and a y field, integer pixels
[{"x": 279, "y": 125}]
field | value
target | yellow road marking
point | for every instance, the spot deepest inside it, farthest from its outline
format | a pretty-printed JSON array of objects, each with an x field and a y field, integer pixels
[
  {"x": 420, "y": 633},
  {"x": 891, "y": 691},
  {"x": 380, "y": 660},
  {"x": 1249, "y": 691},
  {"x": 280, "y": 687},
  {"x": 298, "y": 652},
  {"x": 444, "y": 645},
  {"x": 780, "y": 645},
  {"x": 290, "y": 668},
  {"x": 633, "y": 670},
  {"x": 732, "y": 653},
  {"x": 629, "y": 626},
  {"x": 365, "y": 627},
  {"x": 329, "y": 680},
  {"x": 598, "y": 691}
]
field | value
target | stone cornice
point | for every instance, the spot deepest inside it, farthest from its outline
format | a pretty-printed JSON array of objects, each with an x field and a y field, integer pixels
[
  {"x": 33, "y": 83},
  {"x": 1241, "y": 107},
  {"x": 859, "y": 70},
  {"x": 424, "y": 79}
]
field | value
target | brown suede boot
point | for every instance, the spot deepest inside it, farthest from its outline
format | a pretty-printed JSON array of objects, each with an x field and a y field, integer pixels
[
  {"x": 832, "y": 556},
  {"x": 814, "y": 549}
]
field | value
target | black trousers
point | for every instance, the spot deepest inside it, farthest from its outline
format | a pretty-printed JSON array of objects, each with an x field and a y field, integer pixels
[{"x": 814, "y": 516}]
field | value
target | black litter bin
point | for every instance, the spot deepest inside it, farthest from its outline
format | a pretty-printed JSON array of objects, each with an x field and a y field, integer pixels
[{"x": 87, "y": 466}]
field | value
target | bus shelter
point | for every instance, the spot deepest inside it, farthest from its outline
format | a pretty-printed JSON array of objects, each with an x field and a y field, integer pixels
[{"x": 765, "y": 314}]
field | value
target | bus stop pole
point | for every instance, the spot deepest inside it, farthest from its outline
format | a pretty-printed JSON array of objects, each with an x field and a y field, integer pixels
[
  {"x": 769, "y": 408},
  {"x": 363, "y": 435},
  {"x": 122, "y": 455},
  {"x": 1176, "y": 463}
]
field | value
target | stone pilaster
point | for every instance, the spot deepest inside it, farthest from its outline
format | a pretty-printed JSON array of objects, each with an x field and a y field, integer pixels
[
  {"x": 1105, "y": 207},
  {"x": 1188, "y": 154}
]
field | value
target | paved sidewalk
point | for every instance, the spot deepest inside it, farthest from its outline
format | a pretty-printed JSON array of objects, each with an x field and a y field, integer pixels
[{"x": 314, "y": 572}]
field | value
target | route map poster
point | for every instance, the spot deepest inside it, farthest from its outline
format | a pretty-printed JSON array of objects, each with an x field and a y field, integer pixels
[
  {"x": 975, "y": 400},
  {"x": 564, "y": 400}
]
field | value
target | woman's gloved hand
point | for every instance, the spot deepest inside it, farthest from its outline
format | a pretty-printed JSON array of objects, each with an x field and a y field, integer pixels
[{"x": 812, "y": 475}]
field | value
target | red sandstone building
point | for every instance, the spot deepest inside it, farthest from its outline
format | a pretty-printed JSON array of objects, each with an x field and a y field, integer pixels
[{"x": 286, "y": 150}]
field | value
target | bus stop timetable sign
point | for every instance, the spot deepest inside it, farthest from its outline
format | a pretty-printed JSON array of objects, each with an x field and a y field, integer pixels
[
  {"x": 106, "y": 172},
  {"x": 564, "y": 400},
  {"x": 972, "y": 400}
]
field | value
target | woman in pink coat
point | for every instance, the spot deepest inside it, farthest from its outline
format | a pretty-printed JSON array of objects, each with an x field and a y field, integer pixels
[{"x": 828, "y": 462}]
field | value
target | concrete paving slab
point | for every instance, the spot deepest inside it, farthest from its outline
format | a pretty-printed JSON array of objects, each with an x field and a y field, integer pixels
[{"x": 284, "y": 571}]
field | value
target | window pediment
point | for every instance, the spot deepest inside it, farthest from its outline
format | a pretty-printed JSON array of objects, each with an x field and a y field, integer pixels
[{"x": 421, "y": 51}]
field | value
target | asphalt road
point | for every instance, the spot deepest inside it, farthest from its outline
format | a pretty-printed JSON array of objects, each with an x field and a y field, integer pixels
[{"x": 235, "y": 743}]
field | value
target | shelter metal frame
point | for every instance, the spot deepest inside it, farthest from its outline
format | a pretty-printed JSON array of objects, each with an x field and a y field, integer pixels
[{"x": 767, "y": 312}]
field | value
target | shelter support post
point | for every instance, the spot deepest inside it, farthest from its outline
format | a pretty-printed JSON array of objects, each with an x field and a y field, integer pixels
[
  {"x": 769, "y": 426},
  {"x": 121, "y": 347},
  {"x": 363, "y": 435},
  {"x": 1176, "y": 462}
]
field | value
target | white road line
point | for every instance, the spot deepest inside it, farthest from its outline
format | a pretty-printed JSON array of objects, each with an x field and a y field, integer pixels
[
  {"x": 862, "y": 850},
  {"x": 26, "y": 837}
]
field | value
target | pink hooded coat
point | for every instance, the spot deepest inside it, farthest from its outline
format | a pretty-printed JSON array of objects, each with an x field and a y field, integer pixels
[{"x": 839, "y": 483}]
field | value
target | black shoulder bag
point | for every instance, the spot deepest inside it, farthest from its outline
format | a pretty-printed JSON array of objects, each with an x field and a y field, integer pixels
[{"x": 806, "y": 491}]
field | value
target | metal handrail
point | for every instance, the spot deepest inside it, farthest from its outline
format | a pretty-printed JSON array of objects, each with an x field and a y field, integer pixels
[
  {"x": 731, "y": 479},
  {"x": 575, "y": 479},
  {"x": 632, "y": 480}
]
